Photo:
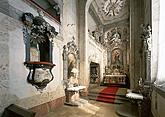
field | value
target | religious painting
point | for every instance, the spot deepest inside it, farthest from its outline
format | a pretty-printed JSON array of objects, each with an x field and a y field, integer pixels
[
  {"x": 116, "y": 56},
  {"x": 116, "y": 59},
  {"x": 71, "y": 63}
]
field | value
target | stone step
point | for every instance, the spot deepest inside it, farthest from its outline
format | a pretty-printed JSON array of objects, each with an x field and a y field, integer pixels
[
  {"x": 116, "y": 94},
  {"x": 112, "y": 101},
  {"x": 108, "y": 96},
  {"x": 121, "y": 95},
  {"x": 86, "y": 106}
]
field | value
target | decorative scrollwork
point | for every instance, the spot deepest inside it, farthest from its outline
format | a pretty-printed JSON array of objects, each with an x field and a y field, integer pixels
[
  {"x": 146, "y": 35},
  {"x": 39, "y": 74},
  {"x": 40, "y": 30},
  {"x": 113, "y": 7}
]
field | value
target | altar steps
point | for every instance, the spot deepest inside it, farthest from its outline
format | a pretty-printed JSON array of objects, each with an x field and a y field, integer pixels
[{"x": 108, "y": 97}]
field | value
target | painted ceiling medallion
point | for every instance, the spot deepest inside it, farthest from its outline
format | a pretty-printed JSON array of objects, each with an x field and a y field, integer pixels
[{"x": 113, "y": 7}]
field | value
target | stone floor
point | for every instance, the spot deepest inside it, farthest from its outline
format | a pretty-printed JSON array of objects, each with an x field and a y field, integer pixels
[
  {"x": 96, "y": 109},
  {"x": 93, "y": 109}
]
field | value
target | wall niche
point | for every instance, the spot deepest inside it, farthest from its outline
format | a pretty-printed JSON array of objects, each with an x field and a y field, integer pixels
[{"x": 38, "y": 38}]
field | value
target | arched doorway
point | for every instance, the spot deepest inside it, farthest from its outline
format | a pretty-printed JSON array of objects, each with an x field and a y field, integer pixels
[{"x": 84, "y": 44}]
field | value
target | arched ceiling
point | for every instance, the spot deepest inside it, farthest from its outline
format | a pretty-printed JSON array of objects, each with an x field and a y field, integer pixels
[{"x": 109, "y": 11}]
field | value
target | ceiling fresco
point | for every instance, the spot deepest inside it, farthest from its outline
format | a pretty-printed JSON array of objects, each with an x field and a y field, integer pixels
[{"x": 110, "y": 11}]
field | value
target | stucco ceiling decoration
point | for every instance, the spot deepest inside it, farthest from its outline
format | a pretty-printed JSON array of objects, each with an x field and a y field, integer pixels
[
  {"x": 110, "y": 11},
  {"x": 113, "y": 7}
]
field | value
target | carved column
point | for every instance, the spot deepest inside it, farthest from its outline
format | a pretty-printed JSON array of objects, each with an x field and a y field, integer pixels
[
  {"x": 148, "y": 67},
  {"x": 146, "y": 36}
]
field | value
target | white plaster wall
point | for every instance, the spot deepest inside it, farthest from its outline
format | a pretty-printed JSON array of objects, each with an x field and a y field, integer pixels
[
  {"x": 91, "y": 23},
  {"x": 16, "y": 89},
  {"x": 4, "y": 63},
  {"x": 95, "y": 53},
  {"x": 18, "y": 70},
  {"x": 70, "y": 20},
  {"x": 26, "y": 7}
]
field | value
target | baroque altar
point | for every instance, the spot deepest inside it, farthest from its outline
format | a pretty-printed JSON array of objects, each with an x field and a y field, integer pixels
[{"x": 117, "y": 60}]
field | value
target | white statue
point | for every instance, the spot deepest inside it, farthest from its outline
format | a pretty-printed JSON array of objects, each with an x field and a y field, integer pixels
[
  {"x": 116, "y": 39},
  {"x": 73, "y": 80},
  {"x": 149, "y": 39},
  {"x": 146, "y": 35}
]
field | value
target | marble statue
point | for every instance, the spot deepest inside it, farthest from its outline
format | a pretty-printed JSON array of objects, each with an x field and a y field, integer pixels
[
  {"x": 116, "y": 38},
  {"x": 147, "y": 36}
]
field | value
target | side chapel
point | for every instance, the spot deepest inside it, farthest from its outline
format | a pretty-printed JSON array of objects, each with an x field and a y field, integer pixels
[{"x": 65, "y": 53}]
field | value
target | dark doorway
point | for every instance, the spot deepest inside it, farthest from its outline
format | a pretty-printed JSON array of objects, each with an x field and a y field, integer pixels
[{"x": 94, "y": 73}]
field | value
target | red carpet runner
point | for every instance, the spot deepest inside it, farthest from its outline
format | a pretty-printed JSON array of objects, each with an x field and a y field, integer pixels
[{"x": 107, "y": 95}]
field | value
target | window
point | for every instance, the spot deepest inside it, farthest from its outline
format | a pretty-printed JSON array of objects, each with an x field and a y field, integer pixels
[{"x": 160, "y": 81}]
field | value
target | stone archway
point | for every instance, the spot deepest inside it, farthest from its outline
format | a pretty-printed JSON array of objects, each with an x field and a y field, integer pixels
[{"x": 83, "y": 6}]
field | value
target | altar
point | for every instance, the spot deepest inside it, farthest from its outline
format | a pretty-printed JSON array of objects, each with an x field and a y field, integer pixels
[
  {"x": 115, "y": 72},
  {"x": 114, "y": 79}
]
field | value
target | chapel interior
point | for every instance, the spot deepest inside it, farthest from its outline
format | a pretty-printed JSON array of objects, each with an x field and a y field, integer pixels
[{"x": 82, "y": 58}]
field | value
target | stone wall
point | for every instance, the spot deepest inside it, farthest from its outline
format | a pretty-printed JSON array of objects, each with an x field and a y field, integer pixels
[{"x": 13, "y": 73}]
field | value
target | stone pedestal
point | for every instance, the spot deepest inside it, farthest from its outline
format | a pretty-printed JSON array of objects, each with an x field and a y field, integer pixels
[
  {"x": 71, "y": 98},
  {"x": 73, "y": 95}
]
